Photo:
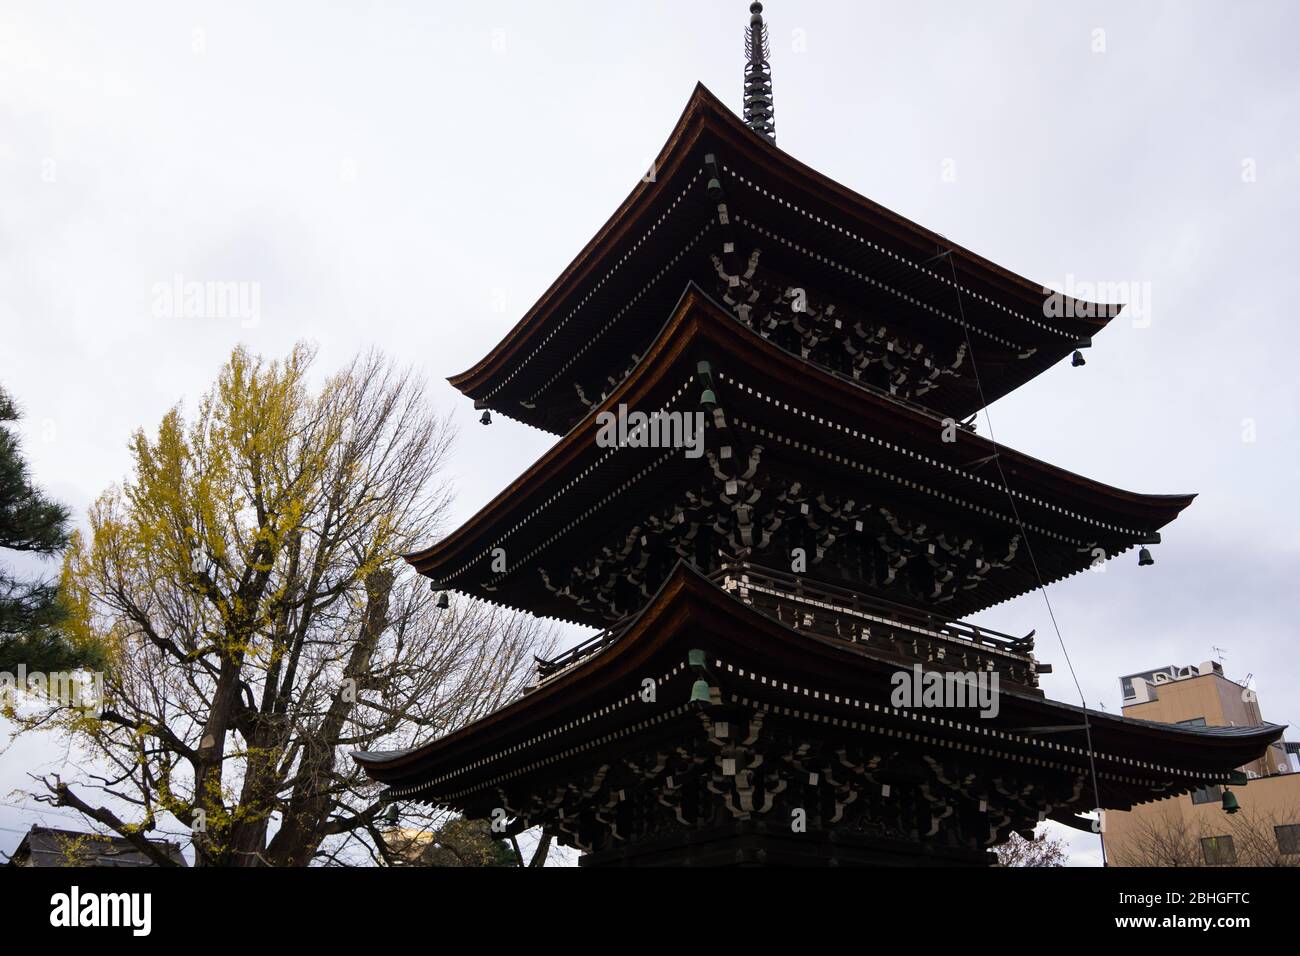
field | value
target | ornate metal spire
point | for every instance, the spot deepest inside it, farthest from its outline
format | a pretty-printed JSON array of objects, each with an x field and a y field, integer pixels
[{"x": 760, "y": 115}]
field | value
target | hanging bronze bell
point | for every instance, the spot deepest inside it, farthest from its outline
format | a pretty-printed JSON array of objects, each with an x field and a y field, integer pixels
[
  {"x": 1230, "y": 804},
  {"x": 700, "y": 693}
]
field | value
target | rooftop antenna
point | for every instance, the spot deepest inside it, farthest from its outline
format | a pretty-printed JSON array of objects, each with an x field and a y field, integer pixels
[{"x": 760, "y": 116}]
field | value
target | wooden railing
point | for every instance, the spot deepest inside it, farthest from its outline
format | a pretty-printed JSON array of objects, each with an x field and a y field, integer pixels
[
  {"x": 743, "y": 578},
  {"x": 548, "y": 669},
  {"x": 839, "y": 613}
]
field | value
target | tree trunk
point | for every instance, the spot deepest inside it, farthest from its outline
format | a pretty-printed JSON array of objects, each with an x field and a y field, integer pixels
[{"x": 310, "y": 804}]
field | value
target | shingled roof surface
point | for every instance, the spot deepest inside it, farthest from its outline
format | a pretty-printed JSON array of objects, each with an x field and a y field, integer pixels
[{"x": 48, "y": 847}]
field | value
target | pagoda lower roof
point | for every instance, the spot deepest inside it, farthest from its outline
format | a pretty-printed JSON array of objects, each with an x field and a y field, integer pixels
[
  {"x": 597, "y": 707},
  {"x": 806, "y": 426},
  {"x": 608, "y": 304}
]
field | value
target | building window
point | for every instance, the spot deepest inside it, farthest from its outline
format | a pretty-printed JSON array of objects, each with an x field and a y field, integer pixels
[
  {"x": 1207, "y": 795},
  {"x": 1218, "y": 850},
  {"x": 1288, "y": 838},
  {"x": 1194, "y": 722}
]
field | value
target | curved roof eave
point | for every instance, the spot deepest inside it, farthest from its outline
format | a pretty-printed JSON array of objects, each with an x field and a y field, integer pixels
[
  {"x": 573, "y": 443},
  {"x": 661, "y": 613},
  {"x": 703, "y": 107}
]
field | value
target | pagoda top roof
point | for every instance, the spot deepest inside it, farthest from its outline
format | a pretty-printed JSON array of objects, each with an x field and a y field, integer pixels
[
  {"x": 623, "y": 277},
  {"x": 829, "y": 422},
  {"x": 752, "y": 655}
]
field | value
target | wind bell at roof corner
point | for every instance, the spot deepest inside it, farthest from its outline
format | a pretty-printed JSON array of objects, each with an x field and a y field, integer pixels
[
  {"x": 1229, "y": 802},
  {"x": 701, "y": 691},
  {"x": 1078, "y": 360},
  {"x": 704, "y": 373}
]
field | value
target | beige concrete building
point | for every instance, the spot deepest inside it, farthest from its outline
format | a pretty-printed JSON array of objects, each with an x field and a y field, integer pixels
[{"x": 1195, "y": 829}]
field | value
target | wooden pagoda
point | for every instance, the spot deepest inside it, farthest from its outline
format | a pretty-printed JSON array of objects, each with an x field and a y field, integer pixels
[{"x": 756, "y": 600}]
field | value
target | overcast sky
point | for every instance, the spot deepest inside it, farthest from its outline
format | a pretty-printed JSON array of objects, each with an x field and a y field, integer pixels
[{"x": 414, "y": 175}]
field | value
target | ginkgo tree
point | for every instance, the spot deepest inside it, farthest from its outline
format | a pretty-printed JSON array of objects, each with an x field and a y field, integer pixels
[{"x": 247, "y": 579}]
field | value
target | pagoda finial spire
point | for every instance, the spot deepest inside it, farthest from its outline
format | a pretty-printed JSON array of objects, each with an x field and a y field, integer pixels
[{"x": 760, "y": 116}]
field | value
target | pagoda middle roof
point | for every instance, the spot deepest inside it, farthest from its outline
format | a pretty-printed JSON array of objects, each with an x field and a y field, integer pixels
[
  {"x": 607, "y": 305},
  {"x": 814, "y": 426}
]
